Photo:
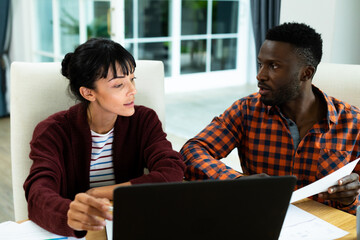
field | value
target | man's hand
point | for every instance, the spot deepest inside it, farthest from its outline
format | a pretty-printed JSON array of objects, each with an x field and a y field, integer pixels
[
  {"x": 345, "y": 192},
  {"x": 255, "y": 175},
  {"x": 88, "y": 213}
]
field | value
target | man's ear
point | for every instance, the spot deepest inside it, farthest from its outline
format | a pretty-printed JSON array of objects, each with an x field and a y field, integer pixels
[
  {"x": 308, "y": 73},
  {"x": 87, "y": 93}
]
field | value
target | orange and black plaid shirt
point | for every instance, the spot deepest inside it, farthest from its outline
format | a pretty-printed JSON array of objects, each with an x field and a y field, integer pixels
[{"x": 265, "y": 144}]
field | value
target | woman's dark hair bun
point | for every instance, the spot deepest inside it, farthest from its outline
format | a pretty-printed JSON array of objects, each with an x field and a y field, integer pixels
[
  {"x": 65, "y": 65},
  {"x": 92, "y": 60}
]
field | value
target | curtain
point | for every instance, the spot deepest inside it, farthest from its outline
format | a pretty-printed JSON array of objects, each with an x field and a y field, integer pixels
[
  {"x": 4, "y": 47},
  {"x": 265, "y": 15}
]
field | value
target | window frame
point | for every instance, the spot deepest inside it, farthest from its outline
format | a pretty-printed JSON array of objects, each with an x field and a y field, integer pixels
[{"x": 243, "y": 72}]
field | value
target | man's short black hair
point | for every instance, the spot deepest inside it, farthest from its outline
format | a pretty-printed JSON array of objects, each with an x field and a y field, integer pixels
[{"x": 307, "y": 42}]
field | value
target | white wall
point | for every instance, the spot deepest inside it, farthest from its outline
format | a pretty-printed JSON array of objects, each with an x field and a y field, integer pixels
[
  {"x": 346, "y": 41},
  {"x": 338, "y": 22}
]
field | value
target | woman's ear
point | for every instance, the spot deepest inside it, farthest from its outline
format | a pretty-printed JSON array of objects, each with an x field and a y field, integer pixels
[
  {"x": 87, "y": 93},
  {"x": 308, "y": 73}
]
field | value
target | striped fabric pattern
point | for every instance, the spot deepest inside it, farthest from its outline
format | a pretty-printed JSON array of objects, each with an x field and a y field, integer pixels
[
  {"x": 265, "y": 144},
  {"x": 101, "y": 165}
]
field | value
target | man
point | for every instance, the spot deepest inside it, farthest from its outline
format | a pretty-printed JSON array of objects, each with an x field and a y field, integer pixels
[{"x": 289, "y": 127}]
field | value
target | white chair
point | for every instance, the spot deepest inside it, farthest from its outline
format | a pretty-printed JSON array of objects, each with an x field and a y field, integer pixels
[
  {"x": 39, "y": 90},
  {"x": 341, "y": 81}
]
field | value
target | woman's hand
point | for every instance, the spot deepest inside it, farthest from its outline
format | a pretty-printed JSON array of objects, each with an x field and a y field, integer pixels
[
  {"x": 88, "y": 213},
  {"x": 106, "y": 191},
  {"x": 345, "y": 192}
]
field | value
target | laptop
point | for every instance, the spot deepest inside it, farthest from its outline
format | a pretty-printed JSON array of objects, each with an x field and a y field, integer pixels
[{"x": 244, "y": 208}]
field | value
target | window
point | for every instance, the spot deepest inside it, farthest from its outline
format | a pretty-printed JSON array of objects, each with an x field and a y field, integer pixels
[
  {"x": 189, "y": 36},
  {"x": 149, "y": 30},
  {"x": 63, "y": 24},
  {"x": 45, "y": 38},
  {"x": 209, "y": 33}
]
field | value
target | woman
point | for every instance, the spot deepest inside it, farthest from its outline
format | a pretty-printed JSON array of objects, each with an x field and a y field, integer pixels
[{"x": 80, "y": 155}]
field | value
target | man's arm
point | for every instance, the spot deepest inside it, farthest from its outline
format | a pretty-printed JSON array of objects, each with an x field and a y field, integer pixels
[{"x": 202, "y": 153}]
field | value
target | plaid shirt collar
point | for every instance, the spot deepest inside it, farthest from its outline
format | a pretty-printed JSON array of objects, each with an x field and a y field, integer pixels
[{"x": 332, "y": 115}]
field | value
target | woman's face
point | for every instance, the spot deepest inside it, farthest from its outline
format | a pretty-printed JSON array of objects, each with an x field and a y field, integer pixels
[{"x": 115, "y": 93}]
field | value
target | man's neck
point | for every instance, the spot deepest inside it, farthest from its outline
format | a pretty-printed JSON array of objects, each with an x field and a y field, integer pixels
[
  {"x": 300, "y": 108},
  {"x": 306, "y": 110}
]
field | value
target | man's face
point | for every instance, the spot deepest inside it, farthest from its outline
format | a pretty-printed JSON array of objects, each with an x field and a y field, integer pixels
[{"x": 279, "y": 73}]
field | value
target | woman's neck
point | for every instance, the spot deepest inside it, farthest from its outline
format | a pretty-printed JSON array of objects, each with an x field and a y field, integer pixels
[{"x": 100, "y": 122}]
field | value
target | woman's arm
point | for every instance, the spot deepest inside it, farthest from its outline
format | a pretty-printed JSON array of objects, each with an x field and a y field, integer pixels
[{"x": 164, "y": 164}]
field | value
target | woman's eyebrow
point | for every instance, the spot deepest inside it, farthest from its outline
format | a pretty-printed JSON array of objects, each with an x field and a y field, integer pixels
[{"x": 116, "y": 77}]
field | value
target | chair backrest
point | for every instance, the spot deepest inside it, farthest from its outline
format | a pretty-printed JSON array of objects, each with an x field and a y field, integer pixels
[
  {"x": 341, "y": 81},
  {"x": 39, "y": 90}
]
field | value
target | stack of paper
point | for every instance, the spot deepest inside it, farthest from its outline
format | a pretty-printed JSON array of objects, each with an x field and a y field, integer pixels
[
  {"x": 27, "y": 230},
  {"x": 301, "y": 225}
]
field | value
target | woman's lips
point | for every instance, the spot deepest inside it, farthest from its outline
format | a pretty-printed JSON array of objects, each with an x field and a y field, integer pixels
[{"x": 131, "y": 104}]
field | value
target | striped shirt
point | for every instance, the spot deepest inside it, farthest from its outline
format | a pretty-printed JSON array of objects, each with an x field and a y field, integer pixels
[
  {"x": 265, "y": 144},
  {"x": 101, "y": 165}
]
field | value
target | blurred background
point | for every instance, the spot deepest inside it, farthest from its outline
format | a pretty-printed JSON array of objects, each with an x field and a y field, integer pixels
[{"x": 208, "y": 48}]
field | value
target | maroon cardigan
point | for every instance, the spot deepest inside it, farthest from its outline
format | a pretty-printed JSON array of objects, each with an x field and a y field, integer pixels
[{"x": 61, "y": 150}]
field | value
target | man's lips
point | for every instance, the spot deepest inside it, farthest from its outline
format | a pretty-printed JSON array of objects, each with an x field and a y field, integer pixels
[{"x": 263, "y": 90}]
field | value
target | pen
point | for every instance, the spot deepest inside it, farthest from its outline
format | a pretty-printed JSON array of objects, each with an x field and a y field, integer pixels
[{"x": 57, "y": 238}]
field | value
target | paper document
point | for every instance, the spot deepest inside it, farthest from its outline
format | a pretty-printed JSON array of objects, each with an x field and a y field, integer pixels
[
  {"x": 324, "y": 183},
  {"x": 109, "y": 229},
  {"x": 299, "y": 224},
  {"x": 27, "y": 230}
]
